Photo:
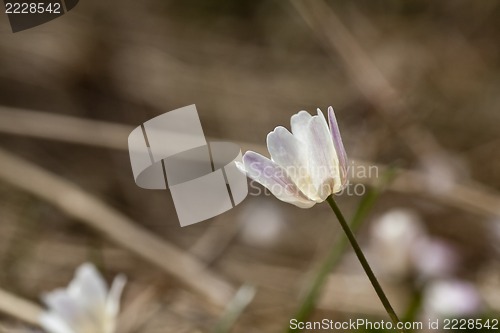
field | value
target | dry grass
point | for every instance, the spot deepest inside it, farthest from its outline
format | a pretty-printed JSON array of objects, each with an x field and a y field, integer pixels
[{"x": 410, "y": 83}]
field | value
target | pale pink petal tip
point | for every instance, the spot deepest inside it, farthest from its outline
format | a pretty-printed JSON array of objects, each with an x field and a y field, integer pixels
[{"x": 337, "y": 142}]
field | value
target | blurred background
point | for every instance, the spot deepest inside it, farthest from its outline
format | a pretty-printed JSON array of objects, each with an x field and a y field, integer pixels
[{"x": 413, "y": 83}]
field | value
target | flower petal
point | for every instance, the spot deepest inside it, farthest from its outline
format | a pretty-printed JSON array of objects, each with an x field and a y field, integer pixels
[
  {"x": 270, "y": 175},
  {"x": 88, "y": 285},
  {"x": 323, "y": 165},
  {"x": 88, "y": 289},
  {"x": 339, "y": 147},
  {"x": 115, "y": 293},
  {"x": 299, "y": 123},
  {"x": 52, "y": 323},
  {"x": 291, "y": 154},
  {"x": 65, "y": 306}
]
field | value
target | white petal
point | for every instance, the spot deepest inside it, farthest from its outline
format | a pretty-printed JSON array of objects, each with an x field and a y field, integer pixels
[
  {"x": 270, "y": 175},
  {"x": 323, "y": 165},
  {"x": 88, "y": 286},
  {"x": 115, "y": 293},
  {"x": 339, "y": 149},
  {"x": 66, "y": 307},
  {"x": 88, "y": 289},
  {"x": 299, "y": 125},
  {"x": 291, "y": 154},
  {"x": 52, "y": 323},
  {"x": 241, "y": 167}
]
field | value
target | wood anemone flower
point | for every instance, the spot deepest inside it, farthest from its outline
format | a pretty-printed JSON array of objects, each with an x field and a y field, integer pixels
[
  {"x": 85, "y": 306},
  {"x": 306, "y": 165}
]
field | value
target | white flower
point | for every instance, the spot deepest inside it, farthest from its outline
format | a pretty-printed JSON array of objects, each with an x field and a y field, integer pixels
[
  {"x": 85, "y": 306},
  {"x": 403, "y": 246},
  {"x": 306, "y": 165},
  {"x": 451, "y": 298},
  {"x": 394, "y": 235}
]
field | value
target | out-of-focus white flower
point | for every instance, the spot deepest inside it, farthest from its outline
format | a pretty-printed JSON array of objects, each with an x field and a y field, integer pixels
[
  {"x": 306, "y": 165},
  {"x": 85, "y": 306},
  {"x": 451, "y": 298},
  {"x": 434, "y": 258},
  {"x": 263, "y": 223},
  {"x": 393, "y": 236}
]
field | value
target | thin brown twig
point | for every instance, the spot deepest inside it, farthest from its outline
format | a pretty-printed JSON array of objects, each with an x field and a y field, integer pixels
[
  {"x": 19, "y": 308},
  {"x": 372, "y": 83},
  {"x": 83, "y": 206},
  {"x": 473, "y": 197},
  {"x": 63, "y": 128},
  {"x": 211, "y": 245}
]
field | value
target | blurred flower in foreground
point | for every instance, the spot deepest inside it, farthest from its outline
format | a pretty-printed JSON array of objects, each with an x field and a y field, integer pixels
[
  {"x": 85, "y": 306},
  {"x": 306, "y": 165},
  {"x": 451, "y": 298}
]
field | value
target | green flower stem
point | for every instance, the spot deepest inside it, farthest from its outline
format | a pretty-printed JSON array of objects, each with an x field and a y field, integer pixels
[
  {"x": 315, "y": 285},
  {"x": 363, "y": 261},
  {"x": 414, "y": 305},
  {"x": 313, "y": 288}
]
